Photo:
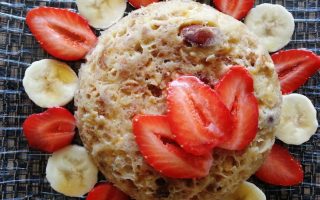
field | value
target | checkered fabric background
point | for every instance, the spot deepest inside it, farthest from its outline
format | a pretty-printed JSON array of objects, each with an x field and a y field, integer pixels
[{"x": 22, "y": 170}]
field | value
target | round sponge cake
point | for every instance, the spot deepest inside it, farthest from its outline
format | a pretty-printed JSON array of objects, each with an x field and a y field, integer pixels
[{"x": 127, "y": 74}]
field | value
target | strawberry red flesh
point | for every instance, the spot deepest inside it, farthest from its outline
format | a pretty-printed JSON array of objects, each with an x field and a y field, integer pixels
[
  {"x": 294, "y": 67},
  {"x": 141, "y": 3},
  {"x": 280, "y": 168},
  {"x": 236, "y": 90},
  {"x": 167, "y": 158},
  {"x": 51, "y": 130},
  {"x": 62, "y": 33},
  {"x": 235, "y": 8},
  {"x": 198, "y": 119},
  {"x": 106, "y": 191}
]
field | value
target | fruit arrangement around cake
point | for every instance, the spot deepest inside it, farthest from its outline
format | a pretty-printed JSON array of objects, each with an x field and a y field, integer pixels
[{"x": 197, "y": 115}]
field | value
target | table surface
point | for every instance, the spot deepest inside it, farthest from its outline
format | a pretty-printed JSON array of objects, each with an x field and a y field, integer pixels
[{"x": 22, "y": 170}]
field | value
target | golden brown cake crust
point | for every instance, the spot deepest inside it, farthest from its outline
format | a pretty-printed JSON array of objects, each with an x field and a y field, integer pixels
[{"x": 127, "y": 73}]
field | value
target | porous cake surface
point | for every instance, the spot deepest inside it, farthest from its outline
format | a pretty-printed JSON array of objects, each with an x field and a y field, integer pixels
[{"x": 128, "y": 73}]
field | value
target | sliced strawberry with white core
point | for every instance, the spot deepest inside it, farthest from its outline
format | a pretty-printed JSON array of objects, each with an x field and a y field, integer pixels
[
  {"x": 51, "y": 130},
  {"x": 198, "y": 119},
  {"x": 235, "y": 8},
  {"x": 236, "y": 90},
  {"x": 294, "y": 67},
  {"x": 155, "y": 141},
  {"x": 141, "y": 3},
  {"x": 62, "y": 33},
  {"x": 280, "y": 168},
  {"x": 106, "y": 191}
]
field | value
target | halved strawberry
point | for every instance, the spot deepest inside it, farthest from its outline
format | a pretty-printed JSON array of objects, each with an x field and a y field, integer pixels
[
  {"x": 198, "y": 119},
  {"x": 62, "y": 33},
  {"x": 235, "y": 8},
  {"x": 236, "y": 90},
  {"x": 51, "y": 130},
  {"x": 280, "y": 168},
  {"x": 106, "y": 191},
  {"x": 155, "y": 142},
  {"x": 141, "y": 3},
  {"x": 294, "y": 67}
]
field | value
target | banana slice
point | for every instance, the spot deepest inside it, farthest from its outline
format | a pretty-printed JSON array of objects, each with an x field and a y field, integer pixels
[
  {"x": 71, "y": 171},
  {"x": 273, "y": 25},
  {"x": 101, "y": 13},
  {"x": 247, "y": 191},
  {"x": 50, "y": 83},
  {"x": 298, "y": 120}
]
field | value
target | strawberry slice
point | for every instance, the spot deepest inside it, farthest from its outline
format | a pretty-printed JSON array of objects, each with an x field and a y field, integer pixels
[
  {"x": 280, "y": 168},
  {"x": 294, "y": 67},
  {"x": 198, "y": 119},
  {"x": 235, "y": 8},
  {"x": 62, "y": 33},
  {"x": 155, "y": 142},
  {"x": 51, "y": 130},
  {"x": 106, "y": 191},
  {"x": 236, "y": 91},
  {"x": 141, "y": 3}
]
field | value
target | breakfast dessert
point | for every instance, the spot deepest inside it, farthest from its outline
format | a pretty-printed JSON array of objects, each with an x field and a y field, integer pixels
[
  {"x": 209, "y": 117},
  {"x": 128, "y": 74}
]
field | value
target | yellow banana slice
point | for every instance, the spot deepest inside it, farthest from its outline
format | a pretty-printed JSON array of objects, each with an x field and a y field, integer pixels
[
  {"x": 101, "y": 13},
  {"x": 50, "y": 83},
  {"x": 273, "y": 25},
  {"x": 247, "y": 191},
  {"x": 71, "y": 171},
  {"x": 298, "y": 120}
]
